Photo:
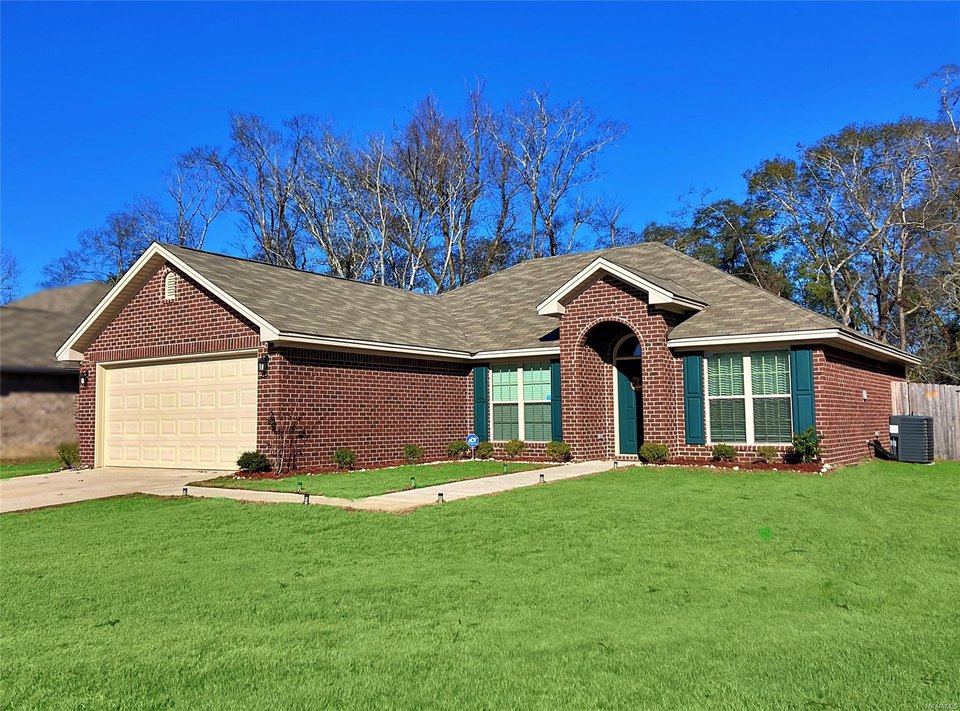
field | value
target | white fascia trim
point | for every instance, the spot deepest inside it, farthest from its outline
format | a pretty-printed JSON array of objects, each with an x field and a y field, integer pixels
[
  {"x": 303, "y": 339},
  {"x": 352, "y": 344},
  {"x": 827, "y": 334},
  {"x": 67, "y": 352},
  {"x": 553, "y": 304},
  {"x": 517, "y": 353}
]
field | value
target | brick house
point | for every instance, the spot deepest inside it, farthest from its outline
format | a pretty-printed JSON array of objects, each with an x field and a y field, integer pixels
[
  {"x": 191, "y": 355},
  {"x": 36, "y": 392}
]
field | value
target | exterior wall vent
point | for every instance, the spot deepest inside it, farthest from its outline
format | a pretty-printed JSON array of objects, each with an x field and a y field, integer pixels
[{"x": 170, "y": 286}]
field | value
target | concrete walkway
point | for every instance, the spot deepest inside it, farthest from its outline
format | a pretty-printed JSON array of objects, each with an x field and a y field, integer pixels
[
  {"x": 39, "y": 491},
  {"x": 68, "y": 487}
]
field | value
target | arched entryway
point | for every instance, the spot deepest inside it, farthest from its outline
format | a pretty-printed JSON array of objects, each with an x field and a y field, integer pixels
[{"x": 628, "y": 395}]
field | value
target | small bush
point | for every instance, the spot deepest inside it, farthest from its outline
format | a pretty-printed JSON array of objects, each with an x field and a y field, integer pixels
[
  {"x": 654, "y": 452},
  {"x": 807, "y": 446},
  {"x": 412, "y": 453},
  {"x": 69, "y": 454},
  {"x": 484, "y": 450},
  {"x": 457, "y": 449},
  {"x": 345, "y": 458},
  {"x": 724, "y": 452},
  {"x": 768, "y": 454},
  {"x": 253, "y": 462},
  {"x": 558, "y": 451},
  {"x": 513, "y": 448}
]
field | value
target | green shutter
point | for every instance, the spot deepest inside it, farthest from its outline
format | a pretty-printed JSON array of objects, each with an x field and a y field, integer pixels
[
  {"x": 556, "y": 408},
  {"x": 801, "y": 386},
  {"x": 481, "y": 408},
  {"x": 694, "y": 429}
]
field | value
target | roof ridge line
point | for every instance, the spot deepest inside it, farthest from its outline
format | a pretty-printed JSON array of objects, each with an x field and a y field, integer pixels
[{"x": 297, "y": 270}]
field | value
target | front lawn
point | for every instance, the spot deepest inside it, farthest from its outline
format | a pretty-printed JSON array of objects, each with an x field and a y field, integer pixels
[
  {"x": 636, "y": 588},
  {"x": 358, "y": 485},
  {"x": 11, "y": 467}
]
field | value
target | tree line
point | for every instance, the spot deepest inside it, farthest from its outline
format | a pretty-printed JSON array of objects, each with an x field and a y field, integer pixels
[
  {"x": 860, "y": 225},
  {"x": 439, "y": 202}
]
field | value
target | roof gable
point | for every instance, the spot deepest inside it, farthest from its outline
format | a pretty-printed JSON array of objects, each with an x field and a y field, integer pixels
[{"x": 659, "y": 293}]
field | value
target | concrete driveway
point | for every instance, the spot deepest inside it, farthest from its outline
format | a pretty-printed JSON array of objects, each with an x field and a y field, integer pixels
[{"x": 67, "y": 487}]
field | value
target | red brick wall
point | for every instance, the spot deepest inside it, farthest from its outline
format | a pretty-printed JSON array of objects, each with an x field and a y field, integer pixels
[
  {"x": 371, "y": 404},
  {"x": 595, "y": 321},
  {"x": 151, "y": 327},
  {"x": 589, "y": 329},
  {"x": 847, "y": 421}
]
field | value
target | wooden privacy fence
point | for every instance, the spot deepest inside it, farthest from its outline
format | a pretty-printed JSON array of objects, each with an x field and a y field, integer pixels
[{"x": 942, "y": 403}]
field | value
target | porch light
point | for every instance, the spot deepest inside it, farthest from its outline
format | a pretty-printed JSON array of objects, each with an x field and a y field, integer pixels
[
  {"x": 84, "y": 378},
  {"x": 262, "y": 363}
]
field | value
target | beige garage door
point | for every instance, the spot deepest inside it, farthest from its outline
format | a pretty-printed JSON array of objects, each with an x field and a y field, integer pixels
[{"x": 189, "y": 415}]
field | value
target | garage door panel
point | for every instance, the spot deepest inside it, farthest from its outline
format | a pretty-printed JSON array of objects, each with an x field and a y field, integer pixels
[{"x": 184, "y": 415}]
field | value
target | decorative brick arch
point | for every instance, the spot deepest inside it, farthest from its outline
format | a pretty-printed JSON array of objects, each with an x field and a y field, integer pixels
[{"x": 587, "y": 371}]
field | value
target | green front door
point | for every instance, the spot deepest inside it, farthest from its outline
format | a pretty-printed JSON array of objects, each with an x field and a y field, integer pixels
[{"x": 629, "y": 412}]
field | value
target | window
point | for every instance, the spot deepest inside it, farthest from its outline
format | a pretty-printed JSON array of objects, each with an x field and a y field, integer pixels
[
  {"x": 170, "y": 286},
  {"x": 770, "y": 380},
  {"x": 520, "y": 395},
  {"x": 506, "y": 408},
  {"x": 749, "y": 397}
]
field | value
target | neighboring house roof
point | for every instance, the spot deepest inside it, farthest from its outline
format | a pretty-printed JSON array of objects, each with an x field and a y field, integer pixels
[
  {"x": 494, "y": 314},
  {"x": 32, "y": 328}
]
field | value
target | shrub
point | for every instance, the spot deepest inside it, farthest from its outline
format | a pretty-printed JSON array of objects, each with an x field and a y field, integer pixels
[
  {"x": 807, "y": 445},
  {"x": 724, "y": 452},
  {"x": 457, "y": 449},
  {"x": 484, "y": 450},
  {"x": 513, "y": 448},
  {"x": 252, "y": 462},
  {"x": 69, "y": 454},
  {"x": 768, "y": 454},
  {"x": 654, "y": 452},
  {"x": 345, "y": 458},
  {"x": 558, "y": 451},
  {"x": 412, "y": 453}
]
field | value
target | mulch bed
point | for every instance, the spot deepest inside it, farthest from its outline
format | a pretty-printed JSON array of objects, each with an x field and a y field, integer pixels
[{"x": 756, "y": 465}]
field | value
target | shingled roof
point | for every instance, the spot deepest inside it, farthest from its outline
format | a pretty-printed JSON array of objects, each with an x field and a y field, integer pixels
[
  {"x": 496, "y": 313},
  {"x": 32, "y": 328}
]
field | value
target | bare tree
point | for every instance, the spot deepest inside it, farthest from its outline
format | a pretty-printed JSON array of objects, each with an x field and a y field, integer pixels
[
  {"x": 9, "y": 276},
  {"x": 260, "y": 172},
  {"x": 104, "y": 253},
  {"x": 327, "y": 195},
  {"x": 198, "y": 196},
  {"x": 555, "y": 153}
]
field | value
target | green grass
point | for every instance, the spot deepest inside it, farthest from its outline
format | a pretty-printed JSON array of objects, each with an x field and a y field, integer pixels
[
  {"x": 358, "y": 485},
  {"x": 12, "y": 467},
  {"x": 637, "y": 588}
]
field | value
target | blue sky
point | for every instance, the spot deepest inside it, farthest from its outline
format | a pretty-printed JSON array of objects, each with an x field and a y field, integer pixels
[{"x": 98, "y": 97}]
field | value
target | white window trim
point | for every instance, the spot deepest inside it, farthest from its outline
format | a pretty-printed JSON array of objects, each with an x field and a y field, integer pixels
[
  {"x": 747, "y": 397},
  {"x": 519, "y": 402}
]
